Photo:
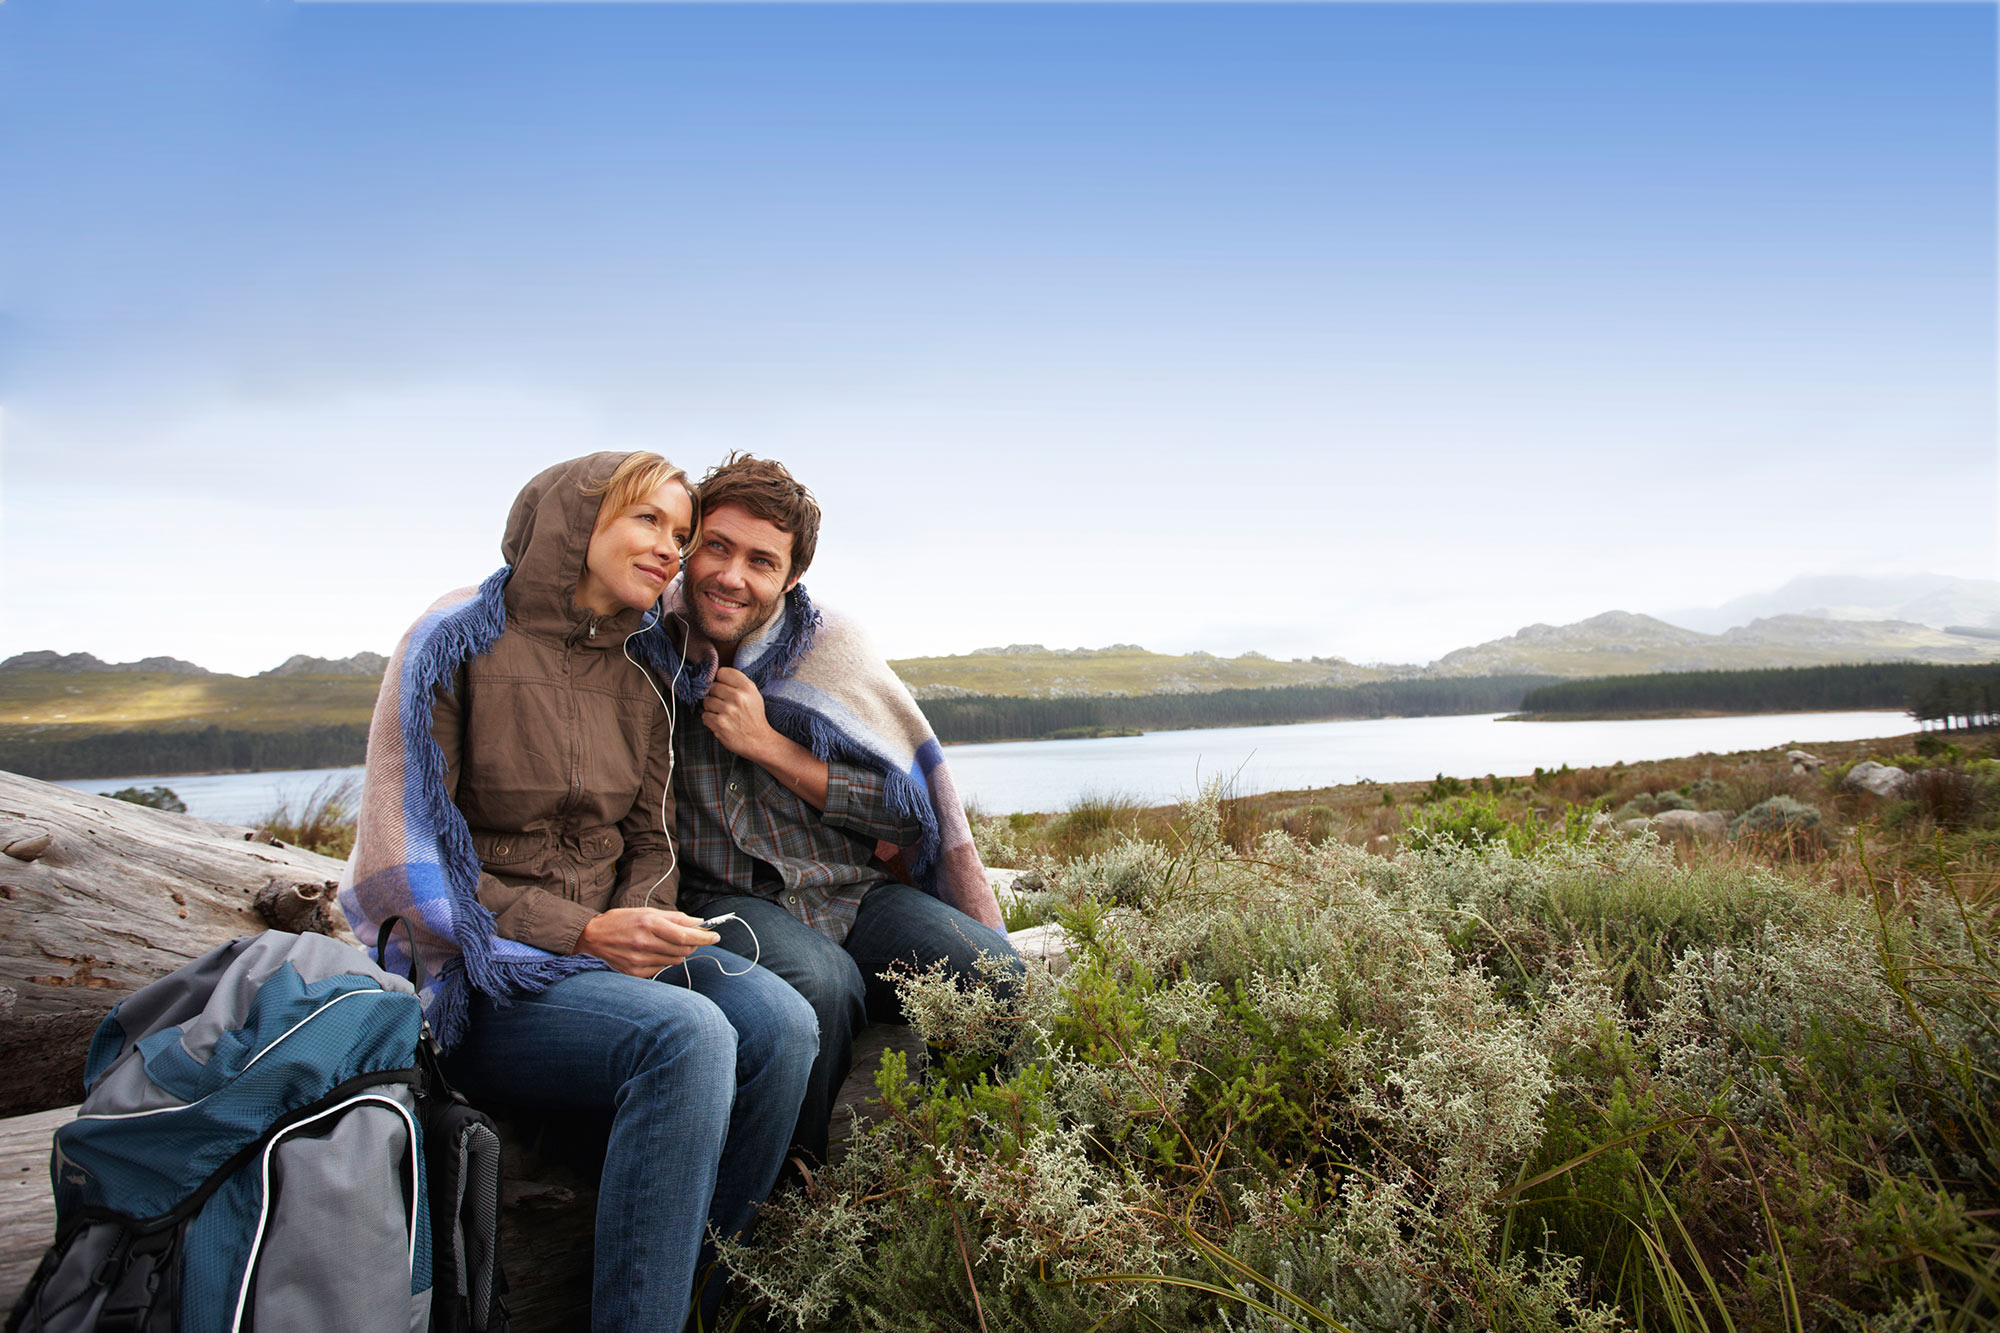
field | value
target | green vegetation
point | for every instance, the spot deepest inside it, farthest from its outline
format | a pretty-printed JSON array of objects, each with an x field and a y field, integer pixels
[
  {"x": 114, "y": 699},
  {"x": 995, "y": 718},
  {"x": 1528, "y": 1073},
  {"x": 89, "y": 752},
  {"x": 1032, "y": 671},
  {"x": 1969, "y": 698},
  {"x": 154, "y": 798},
  {"x": 103, "y": 724},
  {"x": 1781, "y": 690}
]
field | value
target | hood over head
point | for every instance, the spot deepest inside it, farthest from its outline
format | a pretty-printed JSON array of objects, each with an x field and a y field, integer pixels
[{"x": 547, "y": 540}]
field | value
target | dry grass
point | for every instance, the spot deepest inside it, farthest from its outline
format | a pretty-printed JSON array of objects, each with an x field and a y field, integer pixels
[
  {"x": 324, "y": 820},
  {"x": 1374, "y": 815}
]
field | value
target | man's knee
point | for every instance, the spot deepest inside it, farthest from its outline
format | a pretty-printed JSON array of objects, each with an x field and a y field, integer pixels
[{"x": 830, "y": 982}]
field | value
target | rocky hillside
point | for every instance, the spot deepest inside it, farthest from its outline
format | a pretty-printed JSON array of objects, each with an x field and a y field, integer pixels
[
  {"x": 1938, "y": 600},
  {"x": 73, "y": 664},
  {"x": 1619, "y": 643},
  {"x": 370, "y": 665}
]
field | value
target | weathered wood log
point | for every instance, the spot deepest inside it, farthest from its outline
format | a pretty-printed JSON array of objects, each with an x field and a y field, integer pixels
[
  {"x": 27, "y": 1209},
  {"x": 99, "y": 897}
]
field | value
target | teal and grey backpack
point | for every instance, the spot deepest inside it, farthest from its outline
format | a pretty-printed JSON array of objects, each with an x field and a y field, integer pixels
[{"x": 251, "y": 1154}]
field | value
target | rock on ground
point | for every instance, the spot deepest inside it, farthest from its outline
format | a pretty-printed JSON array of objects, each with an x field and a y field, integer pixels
[
  {"x": 1696, "y": 825},
  {"x": 1884, "y": 780}
]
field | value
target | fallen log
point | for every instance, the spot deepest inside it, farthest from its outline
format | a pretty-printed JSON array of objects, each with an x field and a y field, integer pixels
[{"x": 99, "y": 897}]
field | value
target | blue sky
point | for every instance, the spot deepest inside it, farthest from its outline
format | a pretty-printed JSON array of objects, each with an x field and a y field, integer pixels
[{"x": 1314, "y": 329}]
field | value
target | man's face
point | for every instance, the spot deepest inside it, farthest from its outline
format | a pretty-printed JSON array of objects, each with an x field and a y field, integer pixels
[{"x": 738, "y": 573}]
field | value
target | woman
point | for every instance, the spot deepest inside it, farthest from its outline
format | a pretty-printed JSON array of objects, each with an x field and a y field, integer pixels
[{"x": 516, "y": 810}]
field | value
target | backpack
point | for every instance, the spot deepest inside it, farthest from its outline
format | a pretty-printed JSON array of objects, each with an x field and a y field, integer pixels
[{"x": 264, "y": 1144}]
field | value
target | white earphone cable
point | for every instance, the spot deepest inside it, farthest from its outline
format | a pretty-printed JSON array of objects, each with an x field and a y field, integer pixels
[
  {"x": 666, "y": 703},
  {"x": 666, "y": 699}
]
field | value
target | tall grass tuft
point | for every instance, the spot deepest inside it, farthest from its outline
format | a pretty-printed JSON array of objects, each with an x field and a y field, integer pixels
[{"x": 323, "y": 822}]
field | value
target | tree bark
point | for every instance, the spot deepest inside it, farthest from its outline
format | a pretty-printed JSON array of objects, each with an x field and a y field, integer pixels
[{"x": 99, "y": 897}]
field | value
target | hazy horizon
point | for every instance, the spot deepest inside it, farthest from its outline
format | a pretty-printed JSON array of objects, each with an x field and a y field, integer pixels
[
  {"x": 1326, "y": 330},
  {"x": 1681, "y": 619}
]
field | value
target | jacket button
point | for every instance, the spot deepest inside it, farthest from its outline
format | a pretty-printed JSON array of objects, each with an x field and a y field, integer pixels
[{"x": 500, "y": 849}]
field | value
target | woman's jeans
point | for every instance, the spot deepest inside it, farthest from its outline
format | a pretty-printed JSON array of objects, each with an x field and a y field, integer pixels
[{"x": 703, "y": 1084}]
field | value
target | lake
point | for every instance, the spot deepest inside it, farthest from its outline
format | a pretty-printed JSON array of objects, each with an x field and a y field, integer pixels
[{"x": 1163, "y": 766}]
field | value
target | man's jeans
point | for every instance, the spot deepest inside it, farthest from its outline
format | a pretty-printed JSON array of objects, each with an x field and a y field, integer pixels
[
  {"x": 896, "y": 925},
  {"x": 703, "y": 1086}
]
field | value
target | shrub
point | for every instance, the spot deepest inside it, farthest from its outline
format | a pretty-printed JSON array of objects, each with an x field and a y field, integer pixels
[
  {"x": 1470, "y": 822},
  {"x": 1933, "y": 746},
  {"x": 996, "y": 839},
  {"x": 1779, "y": 815},
  {"x": 1752, "y": 785},
  {"x": 157, "y": 798},
  {"x": 1949, "y": 797},
  {"x": 1649, "y": 803},
  {"x": 1584, "y": 1088},
  {"x": 1706, "y": 793},
  {"x": 1442, "y": 788},
  {"x": 1310, "y": 823}
]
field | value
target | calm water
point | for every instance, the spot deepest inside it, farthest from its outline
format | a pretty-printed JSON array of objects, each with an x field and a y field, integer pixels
[{"x": 1163, "y": 766}]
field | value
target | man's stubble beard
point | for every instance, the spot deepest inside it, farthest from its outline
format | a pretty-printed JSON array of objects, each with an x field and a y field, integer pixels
[{"x": 761, "y": 614}]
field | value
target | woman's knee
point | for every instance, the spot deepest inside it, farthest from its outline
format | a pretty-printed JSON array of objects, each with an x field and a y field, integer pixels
[
  {"x": 685, "y": 1034},
  {"x": 777, "y": 1031}
]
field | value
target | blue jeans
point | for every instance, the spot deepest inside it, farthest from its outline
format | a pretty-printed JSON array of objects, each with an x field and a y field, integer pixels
[
  {"x": 703, "y": 1085},
  {"x": 842, "y": 982}
]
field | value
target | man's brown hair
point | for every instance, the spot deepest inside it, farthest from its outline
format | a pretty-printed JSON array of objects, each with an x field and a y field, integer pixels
[{"x": 768, "y": 492}]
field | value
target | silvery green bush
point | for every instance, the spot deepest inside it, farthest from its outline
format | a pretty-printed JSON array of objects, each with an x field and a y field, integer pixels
[{"x": 1300, "y": 1086}]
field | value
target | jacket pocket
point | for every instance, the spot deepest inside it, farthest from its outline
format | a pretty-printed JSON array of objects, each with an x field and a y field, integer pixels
[{"x": 508, "y": 849}]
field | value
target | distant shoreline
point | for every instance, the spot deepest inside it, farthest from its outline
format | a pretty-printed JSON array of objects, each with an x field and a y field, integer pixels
[{"x": 1664, "y": 714}]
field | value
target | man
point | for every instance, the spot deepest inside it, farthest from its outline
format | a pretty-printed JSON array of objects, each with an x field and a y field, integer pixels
[{"x": 811, "y": 770}]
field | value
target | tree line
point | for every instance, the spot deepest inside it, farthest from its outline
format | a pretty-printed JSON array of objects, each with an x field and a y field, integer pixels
[
  {"x": 1966, "y": 700},
  {"x": 992, "y": 717},
  {"x": 1775, "y": 690},
  {"x": 211, "y": 749}
]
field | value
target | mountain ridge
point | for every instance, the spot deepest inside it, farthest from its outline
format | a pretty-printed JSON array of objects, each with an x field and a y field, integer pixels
[{"x": 1611, "y": 643}]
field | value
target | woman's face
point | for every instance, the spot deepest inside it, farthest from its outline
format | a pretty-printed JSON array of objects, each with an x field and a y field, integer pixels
[{"x": 635, "y": 551}]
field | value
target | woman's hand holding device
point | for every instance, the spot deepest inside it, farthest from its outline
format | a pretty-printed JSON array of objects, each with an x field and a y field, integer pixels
[{"x": 640, "y": 941}]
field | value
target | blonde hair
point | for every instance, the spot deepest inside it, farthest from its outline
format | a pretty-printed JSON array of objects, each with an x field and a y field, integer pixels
[{"x": 636, "y": 476}]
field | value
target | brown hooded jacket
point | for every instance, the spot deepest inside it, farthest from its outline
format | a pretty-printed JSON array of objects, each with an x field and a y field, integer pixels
[{"x": 556, "y": 747}]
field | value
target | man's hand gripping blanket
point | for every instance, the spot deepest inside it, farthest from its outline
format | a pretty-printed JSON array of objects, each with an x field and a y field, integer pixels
[{"x": 826, "y": 687}]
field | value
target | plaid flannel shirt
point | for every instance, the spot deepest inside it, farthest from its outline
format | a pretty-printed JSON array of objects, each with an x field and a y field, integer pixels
[{"x": 743, "y": 831}]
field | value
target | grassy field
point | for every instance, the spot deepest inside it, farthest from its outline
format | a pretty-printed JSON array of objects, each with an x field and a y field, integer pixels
[
  {"x": 117, "y": 700},
  {"x": 106, "y": 724},
  {"x": 1045, "y": 674},
  {"x": 1375, "y": 815}
]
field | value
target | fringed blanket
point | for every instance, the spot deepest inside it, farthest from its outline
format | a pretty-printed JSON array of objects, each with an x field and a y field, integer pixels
[
  {"x": 413, "y": 854},
  {"x": 826, "y": 687}
]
